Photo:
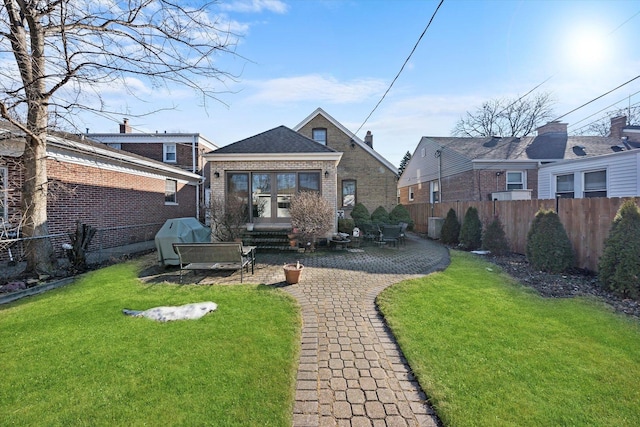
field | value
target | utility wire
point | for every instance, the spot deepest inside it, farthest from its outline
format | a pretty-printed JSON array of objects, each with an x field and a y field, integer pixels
[
  {"x": 598, "y": 97},
  {"x": 600, "y": 111},
  {"x": 402, "y": 68}
]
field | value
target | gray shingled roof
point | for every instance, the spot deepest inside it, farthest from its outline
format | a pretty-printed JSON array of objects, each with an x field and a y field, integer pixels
[
  {"x": 274, "y": 141},
  {"x": 542, "y": 147}
]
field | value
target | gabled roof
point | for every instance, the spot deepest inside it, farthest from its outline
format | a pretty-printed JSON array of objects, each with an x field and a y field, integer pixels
[
  {"x": 361, "y": 143},
  {"x": 279, "y": 140}
]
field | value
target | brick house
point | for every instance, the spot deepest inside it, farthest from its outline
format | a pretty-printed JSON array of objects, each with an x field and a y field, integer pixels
[
  {"x": 268, "y": 169},
  {"x": 363, "y": 174},
  {"x": 126, "y": 196},
  {"x": 182, "y": 150},
  {"x": 450, "y": 169}
]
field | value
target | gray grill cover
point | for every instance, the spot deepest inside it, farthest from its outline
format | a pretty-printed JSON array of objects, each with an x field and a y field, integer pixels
[{"x": 179, "y": 230}]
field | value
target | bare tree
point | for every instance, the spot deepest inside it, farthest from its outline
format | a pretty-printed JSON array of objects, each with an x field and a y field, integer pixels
[
  {"x": 602, "y": 126},
  {"x": 55, "y": 53},
  {"x": 506, "y": 117}
]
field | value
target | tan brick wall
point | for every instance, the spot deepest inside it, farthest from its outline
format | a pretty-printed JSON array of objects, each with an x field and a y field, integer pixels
[
  {"x": 376, "y": 185},
  {"x": 219, "y": 185}
]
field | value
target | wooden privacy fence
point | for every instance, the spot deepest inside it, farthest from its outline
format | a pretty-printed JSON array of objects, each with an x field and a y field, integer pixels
[{"x": 587, "y": 221}]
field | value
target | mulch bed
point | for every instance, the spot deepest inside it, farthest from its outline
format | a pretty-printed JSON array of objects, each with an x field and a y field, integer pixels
[{"x": 567, "y": 285}]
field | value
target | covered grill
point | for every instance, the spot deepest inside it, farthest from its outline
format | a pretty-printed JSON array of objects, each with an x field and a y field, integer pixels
[{"x": 179, "y": 230}]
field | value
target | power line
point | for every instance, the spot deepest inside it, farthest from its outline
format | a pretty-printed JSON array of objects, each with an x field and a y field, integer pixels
[
  {"x": 598, "y": 97},
  {"x": 604, "y": 109},
  {"x": 402, "y": 68}
]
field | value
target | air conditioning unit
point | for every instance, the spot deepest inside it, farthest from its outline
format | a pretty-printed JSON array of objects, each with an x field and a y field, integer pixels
[
  {"x": 434, "y": 227},
  {"x": 511, "y": 195}
]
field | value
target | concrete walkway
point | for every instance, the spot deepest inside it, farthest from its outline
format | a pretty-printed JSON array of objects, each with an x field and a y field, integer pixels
[{"x": 351, "y": 371}]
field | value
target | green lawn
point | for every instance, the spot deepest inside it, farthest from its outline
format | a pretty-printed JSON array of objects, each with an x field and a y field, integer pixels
[
  {"x": 70, "y": 357},
  {"x": 489, "y": 352}
]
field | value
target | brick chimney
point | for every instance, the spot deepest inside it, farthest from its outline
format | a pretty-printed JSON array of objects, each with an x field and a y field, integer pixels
[
  {"x": 617, "y": 123},
  {"x": 552, "y": 127},
  {"x": 368, "y": 139},
  {"x": 124, "y": 127}
]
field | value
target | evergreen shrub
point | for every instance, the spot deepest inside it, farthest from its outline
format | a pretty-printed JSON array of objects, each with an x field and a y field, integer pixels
[
  {"x": 450, "y": 232},
  {"x": 360, "y": 214},
  {"x": 548, "y": 246},
  {"x": 494, "y": 238},
  {"x": 346, "y": 225},
  {"x": 400, "y": 214},
  {"x": 471, "y": 230},
  {"x": 380, "y": 216},
  {"x": 619, "y": 266}
]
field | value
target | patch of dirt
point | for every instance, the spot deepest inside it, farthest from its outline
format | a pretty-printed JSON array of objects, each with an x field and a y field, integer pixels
[{"x": 573, "y": 283}]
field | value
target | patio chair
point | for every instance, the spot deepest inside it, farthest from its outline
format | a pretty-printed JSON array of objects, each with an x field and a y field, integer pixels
[
  {"x": 370, "y": 232},
  {"x": 403, "y": 232},
  {"x": 391, "y": 234}
]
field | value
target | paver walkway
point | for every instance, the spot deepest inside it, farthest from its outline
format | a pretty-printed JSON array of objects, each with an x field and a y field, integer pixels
[{"x": 351, "y": 371}]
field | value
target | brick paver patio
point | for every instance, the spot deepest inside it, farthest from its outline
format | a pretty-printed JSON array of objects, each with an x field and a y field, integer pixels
[{"x": 351, "y": 371}]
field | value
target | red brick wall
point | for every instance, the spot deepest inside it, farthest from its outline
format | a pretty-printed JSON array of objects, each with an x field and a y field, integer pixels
[
  {"x": 155, "y": 151},
  {"x": 468, "y": 186},
  {"x": 107, "y": 199}
]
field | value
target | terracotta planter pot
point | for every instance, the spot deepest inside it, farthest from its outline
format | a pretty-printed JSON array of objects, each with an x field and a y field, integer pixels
[{"x": 292, "y": 273}]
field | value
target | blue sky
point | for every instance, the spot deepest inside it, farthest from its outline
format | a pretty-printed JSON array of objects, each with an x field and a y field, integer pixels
[{"x": 343, "y": 55}]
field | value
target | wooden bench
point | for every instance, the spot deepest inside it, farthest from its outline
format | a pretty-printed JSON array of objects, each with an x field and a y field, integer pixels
[{"x": 215, "y": 256}]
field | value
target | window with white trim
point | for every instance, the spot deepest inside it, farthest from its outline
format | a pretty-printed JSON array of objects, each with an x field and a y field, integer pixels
[
  {"x": 434, "y": 192},
  {"x": 170, "y": 191},
  {"x": 411, "y": 194},
  {"x": 169, "y": 153},
  {"x": 348, "y": 192},
  {"x": 595, "y": 184},
  {"x": 4, "y": 196},
  {"x": 116, "y": 145},
  {"x": 565, "y": 186},
  {"x": 319, "y": 135},
  {"x": 515, "y": 180}
]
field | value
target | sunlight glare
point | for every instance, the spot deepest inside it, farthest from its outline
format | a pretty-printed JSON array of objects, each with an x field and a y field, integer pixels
[{"x": 587, "y": 47}]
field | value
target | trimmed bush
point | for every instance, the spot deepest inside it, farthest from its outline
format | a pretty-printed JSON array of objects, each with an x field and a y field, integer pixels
[
  {"x": 619, "y": 266},
  {"x": 380, "y": 216},
  {"x": 548, "y": 246},
  {"x": 471, "y": 230},
  {"x": 346, "y": 225},
  {"x": 400, "y": 214},
  {"x": 450, "y": 232},
  {"x": 360, "y": 214},
  {"x": 494, "y": 239}
]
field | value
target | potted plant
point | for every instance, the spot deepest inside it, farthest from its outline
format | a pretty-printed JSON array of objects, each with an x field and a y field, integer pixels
[{"x": 292, "y": 272}]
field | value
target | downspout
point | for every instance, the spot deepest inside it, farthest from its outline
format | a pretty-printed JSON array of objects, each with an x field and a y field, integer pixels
[
  {"x": 439, "y": 155},
  {"x": 194, "y": 169}
]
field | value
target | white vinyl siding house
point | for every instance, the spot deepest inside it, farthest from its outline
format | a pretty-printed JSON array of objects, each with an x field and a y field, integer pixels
[{"x": 610, "y": 175}]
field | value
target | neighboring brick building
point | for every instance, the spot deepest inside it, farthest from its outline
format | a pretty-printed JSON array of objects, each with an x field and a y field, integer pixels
[
  {"x": 126, "y": 196},
  {"x": 449, "y": 169},
  {"x": 182, "y": 150},
  {"x": 364, "y": 176}
]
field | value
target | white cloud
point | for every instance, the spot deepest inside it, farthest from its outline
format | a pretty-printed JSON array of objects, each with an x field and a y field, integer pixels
[
  {"x": 255, "y": 6},
  {"x": 315, "y": 88}
]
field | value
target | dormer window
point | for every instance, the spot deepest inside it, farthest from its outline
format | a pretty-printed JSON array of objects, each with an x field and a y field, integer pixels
[{"x": 319, "y": 135}]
